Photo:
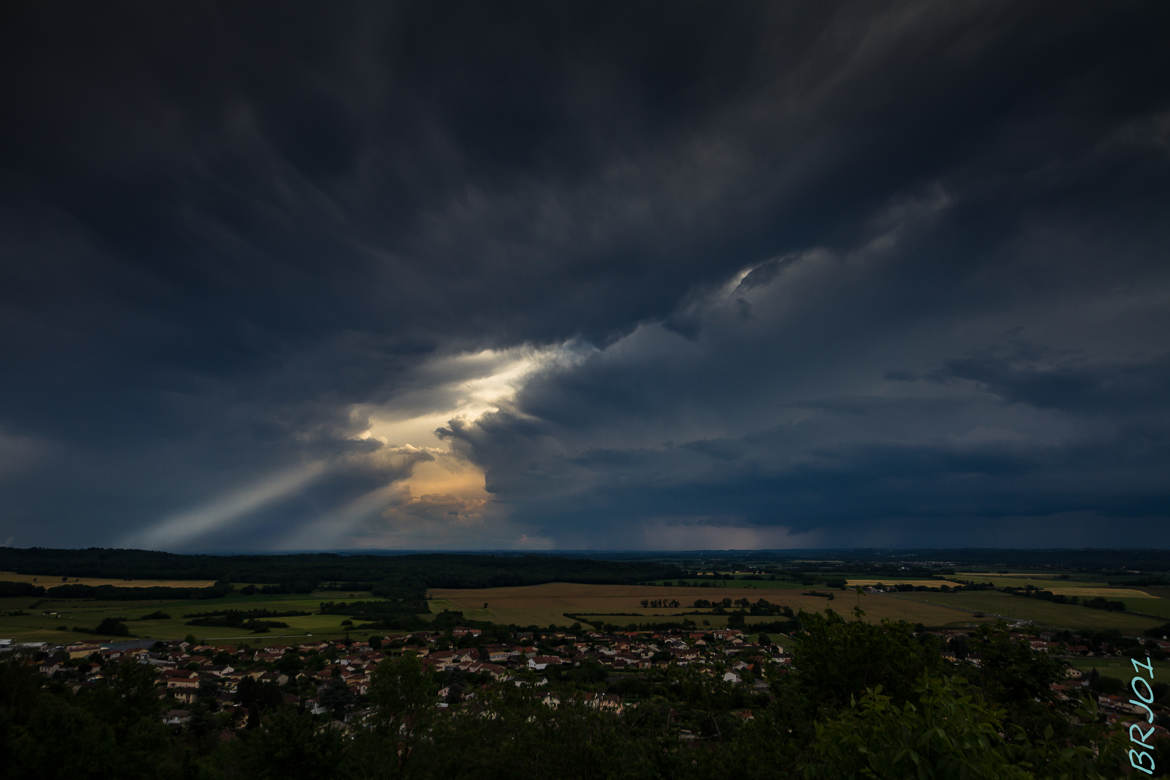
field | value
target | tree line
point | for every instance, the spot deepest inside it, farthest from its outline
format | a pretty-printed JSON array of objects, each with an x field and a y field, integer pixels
[{"x": 429, "y": 570}]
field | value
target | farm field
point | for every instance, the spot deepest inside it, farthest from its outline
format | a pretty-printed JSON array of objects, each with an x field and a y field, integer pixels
[
  {"x": 1061, "y": 587},
  {"x": 546, "y": 604},
  {"x": 1103, "y": 592},
  {"x": 50, "y": 580},
  {"x": 1158, "y": 603},
  {"x": 1045, "y": 581},
  {"x": 925, "y": 583},
  {"x": 1041, "y": 612},
  {"x": 1120, "y": 668},
  {"x": 1148, "y": 601},
  {"x": 708, "y": 583},
  {"x": 702, "y": 621},
  {"x": 35, "y": 625},
  {"x": 1030, "y": 574}
]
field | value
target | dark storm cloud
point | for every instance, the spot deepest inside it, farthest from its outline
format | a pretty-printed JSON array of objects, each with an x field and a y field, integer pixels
[
  {"x": 225, "y": 229},
  {"x": 1064, "y": 382},
  {"x": 870, "y": 398}
]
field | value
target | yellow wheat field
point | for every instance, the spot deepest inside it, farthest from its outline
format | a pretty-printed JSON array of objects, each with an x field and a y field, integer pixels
[{"x": 1109, "y": 593}]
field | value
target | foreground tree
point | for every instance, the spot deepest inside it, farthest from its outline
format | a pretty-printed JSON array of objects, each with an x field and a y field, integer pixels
[
  {"x": 290, "y": 745},
  {"x": 836, "y": 660},
  {"x": 947, "y": 731}
]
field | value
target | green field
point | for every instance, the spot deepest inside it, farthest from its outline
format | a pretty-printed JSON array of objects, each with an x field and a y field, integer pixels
[
  {"x": 1045, "y": 613},
  {"x": 1159, "y": 606},
  {"x": 37, "y": 626},
  {"x": 1121, "y": 668},
  {"x": 1152, "y": 601}
]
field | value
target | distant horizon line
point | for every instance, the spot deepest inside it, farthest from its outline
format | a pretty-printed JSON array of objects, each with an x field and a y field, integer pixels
[{"x": 594, "y": 551}]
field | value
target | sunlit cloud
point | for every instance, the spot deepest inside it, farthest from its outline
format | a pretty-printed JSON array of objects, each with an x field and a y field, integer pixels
[
  {"x": 180, "y": 529},
  {"x": 430, "y": 491},
  {"x": 448, "y": 476},
  {"x": 465, "y": 386},
  {"x": 432, "y": 494}
]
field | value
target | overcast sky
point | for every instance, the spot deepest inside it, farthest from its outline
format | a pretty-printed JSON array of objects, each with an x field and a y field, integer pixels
[{"x": 585, "y": 275}]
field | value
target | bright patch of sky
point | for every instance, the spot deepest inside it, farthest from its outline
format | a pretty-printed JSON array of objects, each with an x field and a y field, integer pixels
[{"x": 433, "y": 488}]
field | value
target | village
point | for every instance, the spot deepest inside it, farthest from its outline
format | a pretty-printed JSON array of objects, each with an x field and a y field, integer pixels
[
  {"x": 321, "y": 675},
  {"x": 331, "y": 679}
]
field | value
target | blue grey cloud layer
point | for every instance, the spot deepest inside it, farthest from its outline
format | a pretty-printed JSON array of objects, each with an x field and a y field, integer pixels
[{"x": 856, "y": 274}]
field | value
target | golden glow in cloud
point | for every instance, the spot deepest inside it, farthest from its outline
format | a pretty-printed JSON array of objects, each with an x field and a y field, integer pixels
[
  {"x": 447, "y": 476},
  {"x": 465, "y": 386},
  {"x": 449, "y": 489},
  {"x": 440, "y": 496}
]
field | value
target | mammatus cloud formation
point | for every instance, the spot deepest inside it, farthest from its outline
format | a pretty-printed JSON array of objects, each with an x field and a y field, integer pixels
[{"x": 774, "y": 275}]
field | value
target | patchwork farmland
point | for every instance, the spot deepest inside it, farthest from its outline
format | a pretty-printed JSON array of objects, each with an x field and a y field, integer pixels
[
  {"x": 26, "y": 618},
  {"x": 1044, "y": 613},
  {"x": 934, "y": 584},
  {"x": 547, "y": 604}
]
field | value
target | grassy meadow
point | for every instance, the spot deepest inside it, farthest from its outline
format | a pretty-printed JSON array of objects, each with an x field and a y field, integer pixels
[
  {"x": 1044, "y": 613},
  {"x": 1157, "y": 604},
  {"x": 1146, "y": 601},
  {"x": 1121, "y": 668},
  {"x": 44, "y": 617}
]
